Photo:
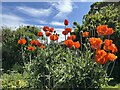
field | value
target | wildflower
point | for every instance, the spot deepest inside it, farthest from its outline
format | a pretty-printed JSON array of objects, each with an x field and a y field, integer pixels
[
  {"x": 107, "y": 42},
  {"x": 95, "y": 43},
  {"x": 109, "y": 31},
  {"x": 42, "y": 47},
  {"x": 76, "y": 44},
  {"x": 101, "y": 57},
  {"x": 31, "y": 48},
  {"x": 45, "y": 28},
  {"x": 66, "y": 22},
  {"x": 68, "y": 43},
  {"x": 53, "y": 37},
  {"x": 72, "y": 37},
  {"x": 64, "y": 32},
  {"x": 22, "y": 41},
  {"x": 37, "y": 43},
  {"x": 40, "y": 34},
  {"x": 51, "y": 29},
  {"x": 111, "y": 57},
  {"x": 32, "y": 42},
  {"x": 85, "y": 34},
  {"x": 102, "y": 29},
  {"x": 113, "y": 48},
  {"x": 47, "y": 33},
  {"x": 68, "y": 29}
]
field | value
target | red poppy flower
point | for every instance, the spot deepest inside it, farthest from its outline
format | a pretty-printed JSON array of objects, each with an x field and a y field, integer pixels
[
  {"x": 72, "y": 37},
  {"x": 40, "y": 34},
  {"x": 32, "y": 42},
  {"x": 102, "y": 29},
  {"x": 37, "y": 43},
  {"x": 47, "y": 33},
  {"x": 68, "y": 29},
  {"x": 109, "y": 31},
  {"x": 66, "y": 22},
  {"x": 111, "y": 57},
  {"x": 65, "y": 32},
  {"x": 76, "y": 44},
  {"x": 68, "y": 43},
  {"x": 22, "y": 41},
  {"x": 31, "y": 48},
  {"x": 95, "y": 43},
  {"x": 42, "y": 47},
  {"x": 45, "y": 28},
  {"x": 101, "y": 57},
  {"x": 107, "y": 42},
  {"x": 85, "y": 34},
  {"x": 53, "y": 37},
  {"x": 51, "y": 30},
  {"x": 113, "y": 48}
]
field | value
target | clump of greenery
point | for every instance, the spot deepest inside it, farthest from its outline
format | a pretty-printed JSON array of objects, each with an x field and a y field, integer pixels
[
  {"x": 66, "y": 69},
  {"x": 14, "y": 80}
]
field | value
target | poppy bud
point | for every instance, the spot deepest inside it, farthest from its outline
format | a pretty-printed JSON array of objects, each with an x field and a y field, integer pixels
[
  {"x": 54, "y": 31},
  {"x": 65, "y": 22}
]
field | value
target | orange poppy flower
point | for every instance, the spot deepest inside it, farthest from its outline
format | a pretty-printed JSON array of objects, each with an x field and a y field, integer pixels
[
  {"x": 113, "y": 48},
  {"x": 109, "y": 31},
  {"x": 65, "y": 22},
  {"x": 68, "y": 29},
  {"x": 101, "y": 57},
  {"x": 107, "y": 42},
  {"x": 68, "y": 43},
  {"x": 31, "y": 48},
  {"x": 42, "y": 47},
  {"x": 51, "y": 29},
  {"x": 102, "y": 29},
  {"x": 37, "y": 43},
  {"x": 40, "y": 34},
  {"x": 111, "y": 57},
  {"x": 76, "y": 44},
  {"x": 53, "y": 37},
  {"x": 45, "y": 28},
  {"x": 72, "y": 37},
  {"x": 47, "y": 33},
  {"x": 85, "y": 34},
  {"x": 95, "y": 43},
  {"x": 32, "y": 42},
  {"x": 64, "y": 32},
  {"x": 22, "y": 41}
]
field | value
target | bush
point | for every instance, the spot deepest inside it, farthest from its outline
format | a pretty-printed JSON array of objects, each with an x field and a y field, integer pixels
[{"x": 66, "y": 69}]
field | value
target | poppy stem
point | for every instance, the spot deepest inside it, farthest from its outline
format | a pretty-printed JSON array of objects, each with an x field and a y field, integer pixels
[
  {"x": 30, "y": 58},
  {"x": 22, "y": 53},
  {"x": 112, "y": 69}
]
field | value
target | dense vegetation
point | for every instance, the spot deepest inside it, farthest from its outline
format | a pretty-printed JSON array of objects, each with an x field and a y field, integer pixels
[{"x": 82, "y": 60}]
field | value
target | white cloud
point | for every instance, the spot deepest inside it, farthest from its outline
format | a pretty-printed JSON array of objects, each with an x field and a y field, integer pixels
[
  {"x": 55, "y": 23},
  {"x": 35, "y": 12},
  {"x": 11, "y": 20},
  {"x": 64, "y": 7},
  {"x": 40, "y": 21}
]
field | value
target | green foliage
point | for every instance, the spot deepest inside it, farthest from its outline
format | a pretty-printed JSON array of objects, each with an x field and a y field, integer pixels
[
  {"x": 11, "y": 51},
  {"x": 56, "y": 70},
  {"x": 14, "y": 80},
  {"x": 103, "y": 13}
]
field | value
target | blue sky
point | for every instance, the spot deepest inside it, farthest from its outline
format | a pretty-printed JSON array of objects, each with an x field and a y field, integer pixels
[{"x": 42, "y": 14}]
